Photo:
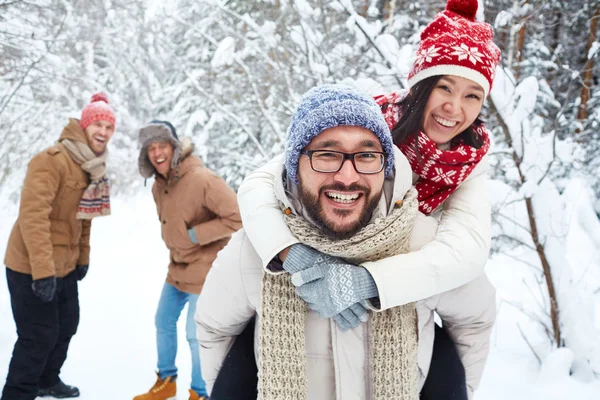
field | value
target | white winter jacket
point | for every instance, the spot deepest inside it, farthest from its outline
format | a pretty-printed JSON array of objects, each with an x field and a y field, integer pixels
[
  {"x": 338, "y": 362},
  {"x": 456, "y": 256}
]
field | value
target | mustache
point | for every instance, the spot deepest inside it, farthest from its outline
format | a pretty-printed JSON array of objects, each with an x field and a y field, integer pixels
[{"x": 339, "y": 187}]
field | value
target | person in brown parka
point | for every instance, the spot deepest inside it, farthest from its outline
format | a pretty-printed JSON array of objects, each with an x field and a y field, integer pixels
[
  {"x": 48, "y": 250},
  {"x": 198, "y": 213}
]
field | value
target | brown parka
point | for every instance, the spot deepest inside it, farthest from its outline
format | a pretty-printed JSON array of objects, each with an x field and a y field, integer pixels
[
  {"x": 47, "y": 238},
  {"x": 194, "y": 197}
]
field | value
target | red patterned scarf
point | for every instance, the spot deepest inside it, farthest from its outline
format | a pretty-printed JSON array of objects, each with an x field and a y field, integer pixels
[
  {"x": 440, "y": 171},
  {"x": 95, "y": 200}
]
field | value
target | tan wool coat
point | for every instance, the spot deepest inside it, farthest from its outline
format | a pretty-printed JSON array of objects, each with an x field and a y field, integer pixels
[
  {"x": 194, "y": 197},
  {"x": 47, "y": 238}
]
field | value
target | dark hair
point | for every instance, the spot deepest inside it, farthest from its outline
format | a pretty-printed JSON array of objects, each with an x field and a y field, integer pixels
[{"x": 413, "y": 108}]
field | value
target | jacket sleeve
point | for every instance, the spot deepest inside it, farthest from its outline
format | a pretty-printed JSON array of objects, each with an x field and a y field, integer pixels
[
  {"x": 84, "y": 243},
  {"x": 220, "y": 199},
  {"x": 456, "y": 256},
  {"x": 259, "y": 208},
  {"x": 469, "y": 313},
  {"x": 223, "y": 309},
  {"x": 37, "y": 197}
]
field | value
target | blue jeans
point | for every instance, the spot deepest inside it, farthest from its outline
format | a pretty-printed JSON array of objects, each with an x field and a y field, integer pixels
[{"x": 172, "y": 301}]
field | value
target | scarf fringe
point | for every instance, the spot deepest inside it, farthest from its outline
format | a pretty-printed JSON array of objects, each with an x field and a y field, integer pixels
[{"x": 95, "y": 201}]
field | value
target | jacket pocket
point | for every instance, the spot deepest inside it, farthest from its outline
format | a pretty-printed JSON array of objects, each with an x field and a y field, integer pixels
[
  {"x": 67, "y": 202},
  {"x": 60, "y": 232}
]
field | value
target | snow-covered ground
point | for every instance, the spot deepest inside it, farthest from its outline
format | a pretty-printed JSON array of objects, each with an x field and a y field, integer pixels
[{"x": 113, "y": 355}]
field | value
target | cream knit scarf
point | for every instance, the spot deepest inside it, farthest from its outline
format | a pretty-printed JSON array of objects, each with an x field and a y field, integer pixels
[
  {"x": 96, "y": 197},
  {"x": 393, "y": 333}
]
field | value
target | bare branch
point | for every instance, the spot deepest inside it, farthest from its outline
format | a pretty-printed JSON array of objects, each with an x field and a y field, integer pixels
[
  {"x": 10, "y": 3},
  {"x": 32, "y": 66},
  {"x": 539, "y": 360},
  {"x": 274, "y": 125},
  {"x": 353, "y": 13},
  {"x": 228, "y": 113},
  {"x": 526, "y": 229}
]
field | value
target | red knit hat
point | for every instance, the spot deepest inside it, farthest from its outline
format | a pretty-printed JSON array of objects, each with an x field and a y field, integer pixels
[
  {"x": 455, "y": 44},
  {"x": 97, "y": 110}
]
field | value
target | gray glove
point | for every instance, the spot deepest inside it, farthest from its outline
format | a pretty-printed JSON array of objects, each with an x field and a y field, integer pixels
[
  {"x": 300, "y": 257},
  {"x": 351, "y": 317},
  {"x": 332, "y": 285}
]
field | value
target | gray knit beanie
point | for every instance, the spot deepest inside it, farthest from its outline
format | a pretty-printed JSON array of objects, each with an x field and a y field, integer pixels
[
  {"x": 157, "y": 131},
  {"x": 328, "y": 106}
]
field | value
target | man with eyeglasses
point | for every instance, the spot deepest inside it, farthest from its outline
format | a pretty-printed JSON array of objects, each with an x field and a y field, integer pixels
[{"x": 346, "y": 191}]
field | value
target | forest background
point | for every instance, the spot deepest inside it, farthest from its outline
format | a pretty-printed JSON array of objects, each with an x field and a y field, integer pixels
[{"x": 228, "y": 74}]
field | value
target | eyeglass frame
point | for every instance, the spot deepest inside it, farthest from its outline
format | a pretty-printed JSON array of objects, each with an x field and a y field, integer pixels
[{"x": 345, "y": 156}]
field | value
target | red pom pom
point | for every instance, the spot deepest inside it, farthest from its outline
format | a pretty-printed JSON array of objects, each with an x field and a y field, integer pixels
[
  {"x": 466, "y": 8},
  {"x": 101, "y": 96}
]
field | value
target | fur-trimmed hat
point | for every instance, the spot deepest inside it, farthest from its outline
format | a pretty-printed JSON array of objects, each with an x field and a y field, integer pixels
[
  {"x": 330, "y": 105},
  {"x": 454, "y": 43},
  {"x": 157, "y": 131},
  {"x": 97, "y": 109}
]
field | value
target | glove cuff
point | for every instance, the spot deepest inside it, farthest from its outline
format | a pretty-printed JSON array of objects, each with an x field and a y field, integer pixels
[
  {"x": 299, "y": 258},
  {"x": 364, "y": 284},
  {"x": 192, "y": 235}
]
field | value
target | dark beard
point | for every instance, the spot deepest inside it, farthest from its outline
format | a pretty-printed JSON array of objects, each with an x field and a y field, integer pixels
[{"x": 315, "y": 211}]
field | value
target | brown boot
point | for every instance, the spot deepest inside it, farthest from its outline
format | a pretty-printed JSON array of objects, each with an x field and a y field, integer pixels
[
  {"x": 194, "y": 396},
  {"x": 162, "y": 390}
]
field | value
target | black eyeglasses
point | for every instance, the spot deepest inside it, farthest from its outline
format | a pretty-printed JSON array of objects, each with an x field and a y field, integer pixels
[{"x": 364, "y": 162}]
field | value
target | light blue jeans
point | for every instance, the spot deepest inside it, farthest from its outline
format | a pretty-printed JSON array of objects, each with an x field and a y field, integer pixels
[{"x": 170, "y": 305}]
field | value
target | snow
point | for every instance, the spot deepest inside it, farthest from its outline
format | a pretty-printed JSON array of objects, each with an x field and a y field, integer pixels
[
  {"x": 224, "y": 54},
  {"x": 113, "y": 354},
  {"x": 593, "y": 49}
]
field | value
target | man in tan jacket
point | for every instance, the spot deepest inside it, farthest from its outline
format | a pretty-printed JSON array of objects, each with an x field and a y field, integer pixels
[
  {"x": 198, "y": 213},
  {"x": 49, "y": 250}
]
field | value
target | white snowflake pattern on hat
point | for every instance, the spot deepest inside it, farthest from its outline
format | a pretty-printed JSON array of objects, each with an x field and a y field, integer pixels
[
  {"x": 427, "y": 55},
  {"x": 463, "y": 52}
]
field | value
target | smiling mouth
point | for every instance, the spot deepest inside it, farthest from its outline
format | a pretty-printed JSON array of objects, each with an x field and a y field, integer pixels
[
  {"x": 445, "y": 122},
  {"x": 342, "y": 198},
  {"x": 100, "y": 140}
]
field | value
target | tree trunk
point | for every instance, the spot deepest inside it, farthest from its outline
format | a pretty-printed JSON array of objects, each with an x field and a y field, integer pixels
[
  {"x": 588, "y": 68},
  {"x": 364, "y": 9},
  {"x": 520, "y": 46},
  {"x": 391, "y": 10},
  {"x": 556, "y": 30},
  {"x": 511, "y": 41},
  {"x": 539, "y": 247}
]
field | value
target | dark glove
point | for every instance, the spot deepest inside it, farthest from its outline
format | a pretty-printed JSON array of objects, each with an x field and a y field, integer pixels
[
  {"x": 44, "y": 288},
  {"x": 81, "y": 271}
]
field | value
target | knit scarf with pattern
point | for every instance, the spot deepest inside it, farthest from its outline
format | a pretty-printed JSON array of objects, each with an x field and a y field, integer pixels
[
  {"x": 96, "y": 197},
  {"x": 393, "y": 332},
  {"x": 440, "y": 171}
]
